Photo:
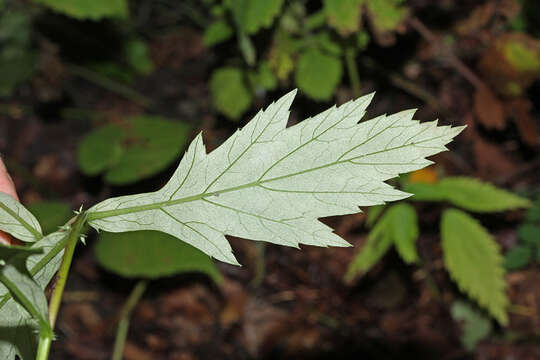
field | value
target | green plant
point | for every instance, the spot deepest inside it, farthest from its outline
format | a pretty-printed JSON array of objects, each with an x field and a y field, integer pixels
[
  {"x": 471, "y": 255},
  {"x": 266, "y": 182},
  {"x": 528, "y": 247},
  {"x": 131, "y": 149},
  {"x": 315, "y": 44}
]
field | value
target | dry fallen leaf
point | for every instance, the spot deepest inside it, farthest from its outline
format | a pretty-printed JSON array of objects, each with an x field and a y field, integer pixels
[{"x": 488, "y": 109}]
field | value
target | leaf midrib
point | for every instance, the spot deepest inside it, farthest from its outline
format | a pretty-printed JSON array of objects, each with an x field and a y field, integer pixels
[
  {"x": 96, "y": 215},
  {"x": 21, "y": 221}
]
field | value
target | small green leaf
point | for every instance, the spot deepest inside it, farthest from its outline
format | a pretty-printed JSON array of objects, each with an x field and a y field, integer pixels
[
  {"x": 399, "y": 226},
  {"x": 518, "y": 257},
  {"x": 405, "y": 231},
  {"x": 326, "y": 44},
  {"x": 230, "y": 93},
  {"x": 476, "y": 327},
  {"x": 533, "y": 214},
  {"x": 473, "y": 259},
  {"x": 373, "y": 214},
  {"x": 530, "y": 234},
  {"x": 252, "y": 15},
  {"x": 22, "y": 287},
  {"x": 137, "y": 56},
  {"x": 134, "y": 149},
  {"x": 318, "y": 74},
  {"x": 282, "y": 54},
  {"x": 467, "y": 193},
  {"x": 386, "y": 15},
  {"x": 263, "y": 77},
  {"x": 216, "y": 33},
  {"x": 378, "y": 242},
  {"x": 84, "y": 9},
  {"x": 151, "y": 254},
  {"x": 16, "y": 220},
  {"x": 344, "y": 15},
  {"x": 51, "y": 214}
]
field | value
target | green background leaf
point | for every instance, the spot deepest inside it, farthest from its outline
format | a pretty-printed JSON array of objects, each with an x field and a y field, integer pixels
[
  {"x": 344, "y": 15},
  {"x": 405, "y": 231},
  {"x": 318, "y": 74},
  {"x": 151, "y": 254},
  {"x": 89, "y": 9},
  {"x": 518, "y": 257},
  {"x": 51, "y": 214},
  {"x": 230, "y": 92},
  {"x": 473, "y": 259},
  {"x": 476, "y": 326},
  {"x": 467, "y": 193},
  {"x": 134, "y": 149}
]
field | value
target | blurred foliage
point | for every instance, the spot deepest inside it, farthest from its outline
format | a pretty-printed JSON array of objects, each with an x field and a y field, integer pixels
[
  {"x": 51, "y": 214},
  {"x": 471, "y": 254},
  {"x": 398, "y": 226},
  {"x": 528, "y": 247},
  {"x": 84, "y": 9},
  {"x": 151, "y": 254},
  {"x": 467, "y": 193},
  {"x": 17, "y": 58},
  {"x": 132, "y": 149},
  {"x": 475, "y": 325},
  {"x": 311, "y": 43}
]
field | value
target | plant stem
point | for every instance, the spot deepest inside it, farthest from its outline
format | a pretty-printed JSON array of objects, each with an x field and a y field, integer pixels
[
  {"x": 73, "y": 238},
  {"x": 352, "y": 70},
  {"x": 125, "y": 314},
  {"x": 45, "y": 340}
]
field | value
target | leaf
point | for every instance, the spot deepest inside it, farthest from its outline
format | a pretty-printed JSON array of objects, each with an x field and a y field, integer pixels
[
  {"x": 84, "y": 9},
  {"x": 16, "y": 220},
  {"x": 252, "y": 15},
  {"x": 344, "y": 15},
  {"x": 476, "y": 326},
  {"x": 18, "y": 331},
  {"x": 405, "y": 231},
  {"x": 216, "y": 33},
  {"x": 530, "y": 234},
  {"x": 137, "y": 56},
  {"x": 533, "y": 214},
  {"x": 271, "y": 183},
  {"x": 151, "y": 254},
  {"x": 473, "y": 259},
  {"x": 386, "y": 15},
  {"x": 398, "y": 226},
  {"x": 281, "y": 56},
  {"x": 468, "y": 193},
  {"x": 263, "y": 78},
  {"x": 489, "y": 110},
  {"x": 230, "y": 93},
  {"x": 373, "y": 214},
  {"x": 51, "y": 214},
  {"x": 23, "y": 288},
  {"x": 131, "y": 150},
  {"x": 318, "y": 74},
  {"x": 377, "y": 244},
  {"x": 518, "y": 257}
]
